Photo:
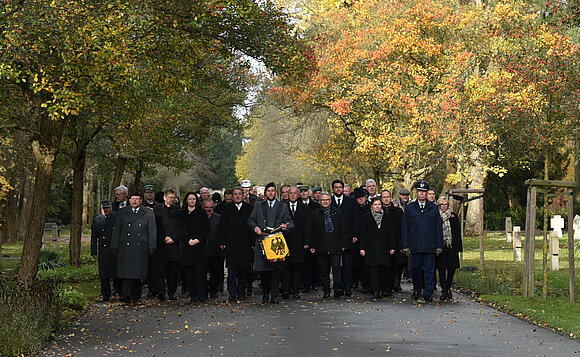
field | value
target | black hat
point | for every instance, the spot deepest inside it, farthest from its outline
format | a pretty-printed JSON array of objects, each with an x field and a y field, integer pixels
[
  {"x": 271, "y": 184},
  {"x": 149, "y": 187},
  {"x": 106, "y": 204},
  {"x": 360, "y": 192},
  {"x": 422, "y": 186},
  {"x": 303, "y": 187}
]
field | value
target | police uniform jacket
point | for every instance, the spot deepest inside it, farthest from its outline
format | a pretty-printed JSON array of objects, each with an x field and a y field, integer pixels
[
  {"x": 193, "y": 225},
  {"x": 134, "y": 236},
  {"x": 273, "y": 220},
  {"x": 101, "y": 234},
  {"x": 331, "y": 242},
  {"x": 235, "y": 234},
  {"x": 422, "y": 230}
]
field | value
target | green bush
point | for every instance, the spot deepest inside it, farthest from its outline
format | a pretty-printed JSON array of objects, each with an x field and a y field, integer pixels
[
  {"x": 49, "y": 259},
  {"x": 28, "y": 315},
  {"x": 71, "y": 274},
  {"x": 73, "y": 299}
]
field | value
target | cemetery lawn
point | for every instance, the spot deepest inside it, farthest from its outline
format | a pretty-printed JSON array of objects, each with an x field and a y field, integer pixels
[{"x": 501, "y": 283}]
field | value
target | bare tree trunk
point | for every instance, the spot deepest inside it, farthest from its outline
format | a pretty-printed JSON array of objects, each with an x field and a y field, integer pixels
[
  {"x": 473, "y": 216},
  {"x": 9, "y": 214},
  {"x": 78, "y": 162},
  {"x": 25, "y": 203},
  {"x": 121, "y": 162},
  {"x": 45, "y": 153},
  {"x": 88, "y": 198},
  {"x": 577, "y": 177},
  {"x": 451, "y": 169}
]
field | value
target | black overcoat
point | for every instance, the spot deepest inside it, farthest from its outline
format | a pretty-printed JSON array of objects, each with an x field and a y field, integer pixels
[
  {"x": 377, "y": 242},
  {"x": 213, "y": 249},
  {"x": 332, "y": 242},
  {"x": 166, "y": 220},
  {"x": 236, "y": 235},
  {"x": 193, "y": 225},
  {"x": 101, "y": 235},
  {"x": 134, "y": 235},
  {"x": 449, "y": 257},
  {"x": 300, "y": 234}
]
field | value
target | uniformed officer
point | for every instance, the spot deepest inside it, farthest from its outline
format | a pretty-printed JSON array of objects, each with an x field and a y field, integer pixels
[
  {"x": 134, "y": 240},
  {"x": 101, "y": 234},
  {"x": 422, "y": 235}
]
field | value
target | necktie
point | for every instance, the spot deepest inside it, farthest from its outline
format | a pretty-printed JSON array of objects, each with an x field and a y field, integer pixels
[
  {"x": 293, "y": 208},
  {"x": 339, "y": 202},
  {"x": 271, "y": 203},
  {"x": 135, "y": 210},
  {"x": 422, "y": 205}
]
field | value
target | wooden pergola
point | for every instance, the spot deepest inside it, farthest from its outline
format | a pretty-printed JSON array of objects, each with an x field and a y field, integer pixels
[
  {"x": 534, "y": 186},
  {"x": 462, "y": 192}
]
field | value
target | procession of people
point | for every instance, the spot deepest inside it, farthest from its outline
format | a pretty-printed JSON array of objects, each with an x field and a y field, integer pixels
[{"x": 287, "y": 240}]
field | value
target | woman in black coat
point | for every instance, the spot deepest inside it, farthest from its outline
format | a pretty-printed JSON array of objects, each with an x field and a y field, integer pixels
[
  {"x": 194, "y": 228},
  {"x": 448, "y": 260},
  {"x": 377, "y": 246}
]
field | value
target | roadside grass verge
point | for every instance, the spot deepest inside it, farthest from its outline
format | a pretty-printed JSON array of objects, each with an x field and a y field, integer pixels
[{"x": 500, "y": 284}]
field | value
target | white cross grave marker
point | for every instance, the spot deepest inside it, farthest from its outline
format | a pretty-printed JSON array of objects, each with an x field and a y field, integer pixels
[
  {"x": 557, "y": 223},
  {"x": 577, "y": 227}
]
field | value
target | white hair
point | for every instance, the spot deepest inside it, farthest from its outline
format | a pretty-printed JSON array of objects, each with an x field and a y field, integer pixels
[
  {"x": 123, "y": 189},
  {"x": 369, "y": 181}
]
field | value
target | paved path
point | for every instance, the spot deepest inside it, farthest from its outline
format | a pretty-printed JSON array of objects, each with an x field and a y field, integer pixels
[{"x": 309, "y": 326}]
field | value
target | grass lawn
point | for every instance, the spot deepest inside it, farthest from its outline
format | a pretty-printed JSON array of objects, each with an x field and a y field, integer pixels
[{"x": 501, "y": 283}]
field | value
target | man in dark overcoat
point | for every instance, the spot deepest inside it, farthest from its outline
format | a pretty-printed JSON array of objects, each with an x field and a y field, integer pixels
[
  {"x": 215, "y": 256},
  {"x": 166, "y": 258},
  {"x": 134, "y": 240},
  {"x": 400, "y": 259},
  {"x": 296, "y": 240},
  {"x": 310, "y": 276},
  {"x": 236, "y": 238},
  {"x": 329, "y": 237},
  {"x": 422, "y": 236},
  {"x": 266, "y": 217},
  {"x": 101, "y": 234}
]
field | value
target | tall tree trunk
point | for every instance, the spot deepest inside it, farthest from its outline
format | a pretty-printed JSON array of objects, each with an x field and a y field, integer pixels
[
  {"x": 577, "y": 177},
  {"x": 473, "y": 215},
  {"x": 9, "y": 214},
  {"x": 25, "y": 202},
  {"x": 88, "y": 198},
  {"x": 78, "y": 162},
  {"x": 121, "y": 162},
  {"x": 45, "y": 153},
  {"x": 450, "y": 170},
  {"x": 138, "y": 175}
]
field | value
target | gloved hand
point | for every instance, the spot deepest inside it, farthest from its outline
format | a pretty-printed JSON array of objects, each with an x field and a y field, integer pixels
[
  {"x": 407, "y": 251},
  {"x": 438, "y": 251}
]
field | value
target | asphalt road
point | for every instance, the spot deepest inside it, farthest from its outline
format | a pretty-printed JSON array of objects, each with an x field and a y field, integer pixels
[{"x": 309, "y": 326}]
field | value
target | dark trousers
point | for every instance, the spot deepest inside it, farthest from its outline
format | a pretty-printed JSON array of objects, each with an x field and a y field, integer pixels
[
  {"x": 215, "y": 268},
  {"x": 291, "y": 276},
  {"x": 195, "y": 278},
  {"x": 310, "y": 275},
  {"x": 377, "y": 278},
  {"x": 389, "y": 279},
  {"x": 347, "y": 263},
  {"x": 237, "y": 282},
  {"x": 165, "y": 272},
  {"x": 131, "y": 288},
  {"x": 424, "y": 272},
  {"x": 271, "y": 282},
  {"x": 446, "y": 278},
  {"x": 325, "y": 263}
]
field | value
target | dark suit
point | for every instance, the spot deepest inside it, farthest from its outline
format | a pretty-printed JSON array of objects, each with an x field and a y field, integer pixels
[
  {"x": 101, "y": 235},
  {"x": 116, "y": 205},
  {"x": 296, "y": 239},
  {"x": 352, "y": 222},
  {"x": 166, "y": 259},
  {"x": 270, "y": 272},
  {"x": 215, "y": 256},
  {"x": 134, "y": 238},
  {"x": 310, "y": 276},
  {"x": 238, "y": 239}
]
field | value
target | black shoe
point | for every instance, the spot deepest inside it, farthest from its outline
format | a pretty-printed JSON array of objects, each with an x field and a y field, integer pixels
[
  {"x": 428, "y": 298},
  {"x": 415, "y": 295},
  {"x": 348, "y": 293},
  {"x": 161, "y": 297},
  {"x": 296, "y": 296},
  {"x": 249, "y": 293},
  {"x": 125, "y": 299},
  {"x": 449, "y": 294},
  {"x": 265, "y": 298},
  {"x": 326, "y": 295},
  {"x": 274, "y": 300},
  {"x": 338, "y": 293},
  {"x": 172, "y": 297},
  {"x": 444, "y": 296},
  {"x": 377, "y": 296},
  {"x": 387, "y": 294},
  {"x": 213, "y": 295},
  {"x": 286, "y": 295},
  {"x": 232, "y": 298}
]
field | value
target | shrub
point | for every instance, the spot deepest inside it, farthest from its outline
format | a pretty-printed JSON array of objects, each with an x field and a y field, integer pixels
[
  {"x": 28, "y": 315},
  {"x": 71, "y": 274},
  {"x": 49, "y": 259},
  {"x": 72, "y": 298}
]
